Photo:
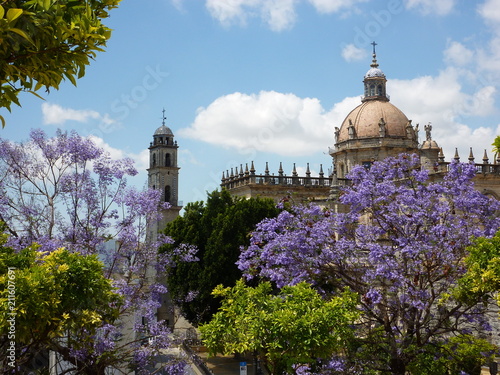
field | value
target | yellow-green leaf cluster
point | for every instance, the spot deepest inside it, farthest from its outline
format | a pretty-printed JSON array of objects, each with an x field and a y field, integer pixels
[
  {"x": 54, "y": 294},
  {"x": 482, "y": 279},
  {"x": 293, "y": 326},
  {"x": 43, "y": 42}
]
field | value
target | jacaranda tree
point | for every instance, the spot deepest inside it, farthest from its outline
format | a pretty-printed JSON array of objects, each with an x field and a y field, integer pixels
[
  {"x": 400, "y": 245},
  {"x": 65, "y": 192}
]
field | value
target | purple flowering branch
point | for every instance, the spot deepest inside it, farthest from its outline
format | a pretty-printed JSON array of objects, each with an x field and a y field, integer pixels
[{"x": 399, "y": 243}]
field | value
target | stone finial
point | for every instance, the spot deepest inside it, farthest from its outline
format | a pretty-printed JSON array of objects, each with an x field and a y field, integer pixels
[
  {"x": 441, "y": 155},
  {"x": 471, "y": 156},
  {"x": 485, "y": 158},
  {"x": 456, "y": 157}
]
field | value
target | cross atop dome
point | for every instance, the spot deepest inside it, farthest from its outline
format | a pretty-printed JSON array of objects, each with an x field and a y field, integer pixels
[{"x": 374, "y": 63}]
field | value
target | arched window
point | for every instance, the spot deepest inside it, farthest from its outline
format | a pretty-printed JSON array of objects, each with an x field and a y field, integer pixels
[
  {"x": 167, "y": 193},
  {"x": 168, "y": 161},
  {"x": 154, "y": 160},
  {"x": 372, "y": 90},
  {"x": 379, "y": 90}
]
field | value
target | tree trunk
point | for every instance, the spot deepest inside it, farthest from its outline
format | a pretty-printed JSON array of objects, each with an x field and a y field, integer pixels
[{"x": 398, "y": 367}]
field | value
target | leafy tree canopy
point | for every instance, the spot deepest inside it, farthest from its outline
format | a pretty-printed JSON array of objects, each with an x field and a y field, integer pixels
[
  {"x": 217, "y": 229},
  {"x": 46, "y": 41},
  {"x": 291, "y": 329}
]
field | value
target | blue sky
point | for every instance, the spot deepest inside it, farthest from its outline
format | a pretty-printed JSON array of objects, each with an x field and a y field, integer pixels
[{"x": 268, "y": 80}]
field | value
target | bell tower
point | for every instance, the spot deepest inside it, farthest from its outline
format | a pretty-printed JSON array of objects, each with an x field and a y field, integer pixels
[{"x": 163, "y": 171}]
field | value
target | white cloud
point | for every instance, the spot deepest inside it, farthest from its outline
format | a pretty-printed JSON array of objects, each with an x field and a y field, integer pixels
[
  {"x": 230, "y": 12},
  {"x": 273, "y": 122},
  {"x": 438, "y": 7},
  {"x": 54, "y": 114},
  {"x": 458, "y": 54},
  {"x": 352, "y": 53},
  {"x": 333, "y": 6},
  {"x": 279, "y": 14},
  {"x": 490, "y": 11}
]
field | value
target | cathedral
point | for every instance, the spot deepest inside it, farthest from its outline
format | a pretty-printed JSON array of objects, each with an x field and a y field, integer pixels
[{"x": 372, "y": 131}]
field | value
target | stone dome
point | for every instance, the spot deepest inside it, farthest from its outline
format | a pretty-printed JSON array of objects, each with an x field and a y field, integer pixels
[
  {"x": 430, "y": 143},
  {"x": 164, "y": 130},
  {"x": 366, "y": 119},
  {"x": 374, "y": 72}
]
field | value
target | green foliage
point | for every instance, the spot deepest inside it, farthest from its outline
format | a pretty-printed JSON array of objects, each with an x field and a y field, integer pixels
[
  {"x": 461, "y": 353},
  {"x": 483, "y": 270},
  {"x": 43, "y": 42},
  {"x": 217, "y": 229},
  {"x": 294, "y": 327},
  {"x": 51, "y": 295},
  {"x": 496, "y": 146}
]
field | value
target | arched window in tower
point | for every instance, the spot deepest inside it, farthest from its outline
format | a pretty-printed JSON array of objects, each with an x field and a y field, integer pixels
[
  {"x": 168, "y": 160},
  {"x": 380, "y": 90},
  {"x": 372, "y": 90},
  {"x": 154, "y": 160},
  {"x": 167, "y": 193}
]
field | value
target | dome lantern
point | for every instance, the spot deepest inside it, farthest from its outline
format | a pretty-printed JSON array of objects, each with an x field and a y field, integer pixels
[{"x": 375, "y": 81}]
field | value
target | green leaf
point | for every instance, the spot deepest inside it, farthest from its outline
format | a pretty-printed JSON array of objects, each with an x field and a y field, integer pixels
[
  {"x": 22, "y": 33},
  {"x": 13, "y": 14},
  {"x": 2, "y": 11},
  {"x": 34, "y": 93}
]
